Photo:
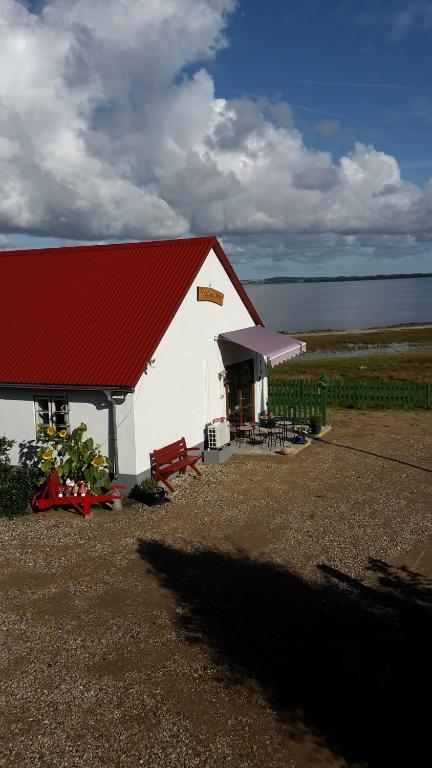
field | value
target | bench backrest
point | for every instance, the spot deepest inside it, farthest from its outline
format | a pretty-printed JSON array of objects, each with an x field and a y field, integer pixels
[{"x": 170, "y": 453}]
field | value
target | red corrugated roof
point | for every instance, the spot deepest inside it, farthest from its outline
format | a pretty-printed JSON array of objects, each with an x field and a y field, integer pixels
[{"x": 94, "y": 315}]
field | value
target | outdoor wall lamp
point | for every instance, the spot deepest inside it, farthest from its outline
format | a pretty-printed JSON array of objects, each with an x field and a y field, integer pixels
[
  {"x": 150, "y": 364},
  {"x": 118, "y": 397}
]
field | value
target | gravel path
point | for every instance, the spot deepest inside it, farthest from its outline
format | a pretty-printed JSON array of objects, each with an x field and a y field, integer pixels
[{"x": 193, "y": 634}]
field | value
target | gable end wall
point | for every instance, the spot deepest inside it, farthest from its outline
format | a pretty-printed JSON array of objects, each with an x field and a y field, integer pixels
[{"x": 181, "y": 391}]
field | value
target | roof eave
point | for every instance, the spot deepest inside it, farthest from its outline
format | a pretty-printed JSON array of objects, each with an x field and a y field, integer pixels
[{"x": 82, "y": 387}]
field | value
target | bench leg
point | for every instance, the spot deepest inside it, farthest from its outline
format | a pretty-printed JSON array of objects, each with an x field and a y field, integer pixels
[
  {"x": 167, "y": 483},
  {"x": 86, "y": 506}
]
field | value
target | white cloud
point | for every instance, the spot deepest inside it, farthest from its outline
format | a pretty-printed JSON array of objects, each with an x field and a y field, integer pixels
[
  {"x": 110, "y": 128},
  {"x": 415, "y": 15}
]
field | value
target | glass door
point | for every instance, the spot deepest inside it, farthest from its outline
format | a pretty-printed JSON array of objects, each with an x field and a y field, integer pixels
[{"x": 240, "y": 392}]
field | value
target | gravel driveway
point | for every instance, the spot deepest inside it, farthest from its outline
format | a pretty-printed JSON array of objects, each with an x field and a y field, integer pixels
[{"x": 276, "y": 612}]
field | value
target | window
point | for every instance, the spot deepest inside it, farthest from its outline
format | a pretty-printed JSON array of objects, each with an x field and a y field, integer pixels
[{"x": 52, "y": 412}]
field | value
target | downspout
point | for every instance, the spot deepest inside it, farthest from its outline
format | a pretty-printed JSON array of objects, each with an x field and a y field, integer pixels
[{"x": 113, "y": 416}]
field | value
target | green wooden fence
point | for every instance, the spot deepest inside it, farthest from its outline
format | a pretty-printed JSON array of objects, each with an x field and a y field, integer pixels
[
  {"x": 308, "y": 398},
  {"x": 386, "y": 394}
]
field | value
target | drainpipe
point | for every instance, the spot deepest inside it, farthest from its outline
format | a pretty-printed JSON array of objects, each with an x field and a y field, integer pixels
[{"x": 113, "y": 416}]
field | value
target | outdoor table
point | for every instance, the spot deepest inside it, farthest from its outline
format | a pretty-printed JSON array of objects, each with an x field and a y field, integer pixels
[{"x": 246, "y": 430}]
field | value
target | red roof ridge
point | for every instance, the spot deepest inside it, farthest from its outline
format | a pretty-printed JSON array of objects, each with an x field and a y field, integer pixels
[{"x": 99, "y": 246}]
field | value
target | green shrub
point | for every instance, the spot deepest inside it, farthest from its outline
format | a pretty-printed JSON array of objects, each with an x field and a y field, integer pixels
[
  {"x": 17, "y": 485},
  {"x": 148, "y": 485},
  {"x": 141, "y": 492},
  {"x": 5, "y": 446}
]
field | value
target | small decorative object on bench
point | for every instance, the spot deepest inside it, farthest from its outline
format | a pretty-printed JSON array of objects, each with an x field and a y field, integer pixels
[
  {"x": 51, "y": 496},
  {"x": 173, "y": 458}
]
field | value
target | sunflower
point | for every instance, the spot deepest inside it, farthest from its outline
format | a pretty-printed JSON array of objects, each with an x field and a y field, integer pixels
[
  {"x": 51, "y": 431},
  {"x": 99, "y": 461},
  {"x": 63, "y": 433},
  {"x": 47, "y": 456}
]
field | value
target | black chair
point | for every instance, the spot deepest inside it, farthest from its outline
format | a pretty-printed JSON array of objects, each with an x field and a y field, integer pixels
[{"x": 274, "y": 432}]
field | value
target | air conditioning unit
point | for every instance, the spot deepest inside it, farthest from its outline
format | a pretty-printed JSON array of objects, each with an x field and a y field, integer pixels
[{"x": 218, "y": 434}]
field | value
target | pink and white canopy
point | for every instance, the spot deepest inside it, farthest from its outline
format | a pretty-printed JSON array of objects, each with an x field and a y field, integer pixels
[{"x": 276, "y": 347}]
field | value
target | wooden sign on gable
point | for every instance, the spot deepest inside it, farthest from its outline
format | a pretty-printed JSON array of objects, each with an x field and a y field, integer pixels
[{"x": 210, "y": 294}]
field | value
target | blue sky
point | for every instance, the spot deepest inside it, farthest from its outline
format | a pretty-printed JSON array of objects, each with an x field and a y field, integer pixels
[
  {"x": 352, "y": 71},
  {"x": 298, "y": 132}
]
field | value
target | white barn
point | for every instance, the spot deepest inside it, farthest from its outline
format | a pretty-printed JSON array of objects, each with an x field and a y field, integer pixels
[{"x": 144, "y": 342}]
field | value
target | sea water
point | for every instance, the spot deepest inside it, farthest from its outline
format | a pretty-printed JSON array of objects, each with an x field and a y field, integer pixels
[{"x": 345, "y": 304}]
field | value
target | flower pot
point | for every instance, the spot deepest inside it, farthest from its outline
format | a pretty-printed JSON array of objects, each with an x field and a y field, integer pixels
[
  {"x": 316, "y": 429},
  {"x": 299, "y": 439},
  {"x": 154, "y": 499}
]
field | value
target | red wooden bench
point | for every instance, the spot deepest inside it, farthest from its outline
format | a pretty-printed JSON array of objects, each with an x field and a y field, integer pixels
[
  {"x": 48, "y": 497},
  {"x": 173, "y": 458}
]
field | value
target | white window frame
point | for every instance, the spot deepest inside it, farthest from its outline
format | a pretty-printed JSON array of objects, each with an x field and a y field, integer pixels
[{"x": 50, "y": 416}]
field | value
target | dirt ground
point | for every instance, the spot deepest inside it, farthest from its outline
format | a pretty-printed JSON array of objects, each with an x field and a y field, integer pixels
[{"x": 276, "y": 612}]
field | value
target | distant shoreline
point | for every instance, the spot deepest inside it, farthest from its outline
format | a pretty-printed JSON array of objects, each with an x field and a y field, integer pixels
[
  {"x": 361, "y": 331},
  {"x": 338, "y": 279}
]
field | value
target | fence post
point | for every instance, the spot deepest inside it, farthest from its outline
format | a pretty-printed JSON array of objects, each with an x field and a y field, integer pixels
[{"x": 323, "y": 405}]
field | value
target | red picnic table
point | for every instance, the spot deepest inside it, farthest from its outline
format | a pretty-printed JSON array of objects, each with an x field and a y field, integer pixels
[{"x": 49, "y": 497}]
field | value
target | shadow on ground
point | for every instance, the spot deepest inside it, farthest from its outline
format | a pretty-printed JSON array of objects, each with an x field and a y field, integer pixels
[
  {"x": 371, "y": 453},
  {"x": 345, "y": 664}
]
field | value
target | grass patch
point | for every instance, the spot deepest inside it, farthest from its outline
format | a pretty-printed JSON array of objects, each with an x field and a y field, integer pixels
[
  {"x": 408, "y": 366},
  {"x": 381, "y": 337}
]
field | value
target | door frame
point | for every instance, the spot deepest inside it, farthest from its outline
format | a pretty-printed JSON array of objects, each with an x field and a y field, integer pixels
[{"x": 241, "y": 397}]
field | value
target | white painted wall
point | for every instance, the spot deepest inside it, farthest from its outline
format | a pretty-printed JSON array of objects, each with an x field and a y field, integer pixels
[
  {"x": 17, "y": 419},
  {"x": 181, "y": 392},
  {"x": 125, "y": 418}
]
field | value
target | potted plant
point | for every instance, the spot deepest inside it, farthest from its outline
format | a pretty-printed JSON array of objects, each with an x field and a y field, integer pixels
[
  {"x": 148, "y": 493},
  {"x": 315, "y": 424},
  {"x": 299, "y": 437}
]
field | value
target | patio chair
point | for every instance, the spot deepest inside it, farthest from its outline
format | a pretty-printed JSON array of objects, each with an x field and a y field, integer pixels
[
  {"x": 272, "y": 432},
  {"x": 275, "y": 433},
  {"x": 259, "y": 431}
]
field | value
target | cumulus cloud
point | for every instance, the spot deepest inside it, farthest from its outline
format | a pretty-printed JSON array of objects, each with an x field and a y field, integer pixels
[{"x": 110, "y": 128}]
